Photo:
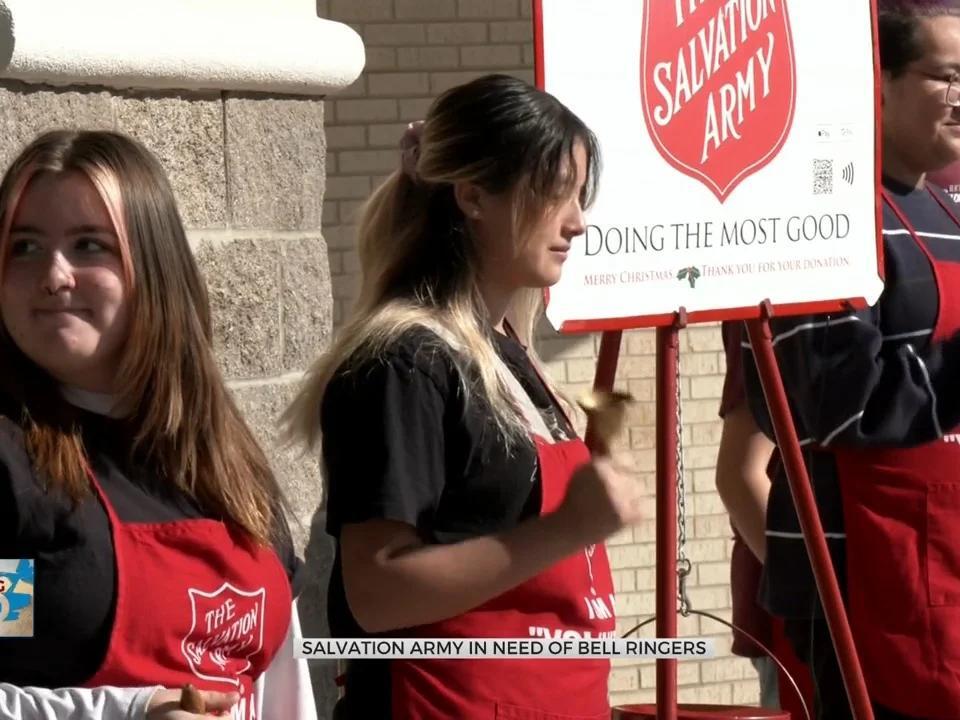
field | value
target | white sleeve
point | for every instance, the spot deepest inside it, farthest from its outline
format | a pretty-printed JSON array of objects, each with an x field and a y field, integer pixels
[
  {"x": 284, "y": 689},
  {"x": 101, "y": 703}
]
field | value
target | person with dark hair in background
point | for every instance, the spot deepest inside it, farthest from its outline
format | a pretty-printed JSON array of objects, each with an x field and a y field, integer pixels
[
  {"x": 745, "y": 462},
  {"x": 876, "y": 402}
]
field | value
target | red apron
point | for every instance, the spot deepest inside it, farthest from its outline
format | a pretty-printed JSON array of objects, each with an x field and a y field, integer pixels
[
  {"x": 571, "y": 599},
  {"x": 902, "y": 515},
  {"x": 797, "y": 669},
  {"x": 194, "y": 604}
]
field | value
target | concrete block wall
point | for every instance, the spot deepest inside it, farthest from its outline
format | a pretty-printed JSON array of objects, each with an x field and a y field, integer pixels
[
  {"x": 415, "y": 50},
  {"x": 248, "y": 173}
]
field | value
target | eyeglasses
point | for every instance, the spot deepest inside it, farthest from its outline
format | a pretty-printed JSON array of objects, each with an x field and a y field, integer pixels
[{"x": 952, "y": 96}]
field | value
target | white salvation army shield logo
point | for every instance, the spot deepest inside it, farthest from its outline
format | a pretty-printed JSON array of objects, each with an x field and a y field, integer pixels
[{"x": 226, "y": 631}]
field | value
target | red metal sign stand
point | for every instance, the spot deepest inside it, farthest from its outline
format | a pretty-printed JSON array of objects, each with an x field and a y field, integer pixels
[
  {"x": 668, "y": 348},
  {"x": 761, "y": 339},
  {"x": 668, "y": 354}
]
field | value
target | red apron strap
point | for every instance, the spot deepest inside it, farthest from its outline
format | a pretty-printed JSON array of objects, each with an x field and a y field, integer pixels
[
  {"x": 909, "y": 227},
  {"x": 101, "y": 493}
]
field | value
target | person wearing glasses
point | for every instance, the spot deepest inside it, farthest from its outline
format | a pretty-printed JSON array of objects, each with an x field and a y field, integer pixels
[{"x": 876, "y": 404}]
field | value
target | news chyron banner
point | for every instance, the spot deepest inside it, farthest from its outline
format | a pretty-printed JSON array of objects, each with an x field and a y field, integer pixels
[{"x": 739, "y": 152}]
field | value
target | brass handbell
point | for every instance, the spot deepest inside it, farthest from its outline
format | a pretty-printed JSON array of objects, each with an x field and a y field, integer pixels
[{"x": 607, "y": 413}]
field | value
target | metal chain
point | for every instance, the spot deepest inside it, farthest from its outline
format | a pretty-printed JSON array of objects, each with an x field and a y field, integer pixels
[{"x": 684, "y": 567}]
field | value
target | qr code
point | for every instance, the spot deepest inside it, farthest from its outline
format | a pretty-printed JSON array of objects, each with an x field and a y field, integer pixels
[{"x": 822, "y": 177}]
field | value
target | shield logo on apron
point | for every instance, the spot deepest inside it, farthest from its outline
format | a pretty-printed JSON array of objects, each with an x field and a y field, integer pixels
[{"x": 227, "y": 629}]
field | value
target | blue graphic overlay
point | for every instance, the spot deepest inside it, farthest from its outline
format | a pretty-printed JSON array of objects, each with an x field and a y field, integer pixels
[{"x": 16, "y": 597}]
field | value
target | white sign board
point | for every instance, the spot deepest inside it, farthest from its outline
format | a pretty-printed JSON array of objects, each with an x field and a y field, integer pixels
[{"x": 739, "y": 156}]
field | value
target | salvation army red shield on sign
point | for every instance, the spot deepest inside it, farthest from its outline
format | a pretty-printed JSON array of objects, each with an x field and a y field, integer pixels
[
  {"x": 227, "y": 629},
  {"x": 718, "y": 85}
]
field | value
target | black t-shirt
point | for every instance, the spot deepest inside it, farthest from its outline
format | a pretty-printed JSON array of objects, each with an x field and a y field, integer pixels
[
  {"x": 402, "y": 442},
  {"x": 75, "y": 573}
]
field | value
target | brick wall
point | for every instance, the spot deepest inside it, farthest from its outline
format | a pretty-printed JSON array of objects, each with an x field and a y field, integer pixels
[{"x": 416, "y": 49}]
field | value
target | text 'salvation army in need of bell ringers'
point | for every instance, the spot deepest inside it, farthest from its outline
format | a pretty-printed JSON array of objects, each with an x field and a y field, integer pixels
[{"x": 480, "y": 648}]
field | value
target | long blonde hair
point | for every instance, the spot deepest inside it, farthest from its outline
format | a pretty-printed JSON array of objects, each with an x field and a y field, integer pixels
[
  {"x": 419, "y": 262},
  {"x": 168, "y": 382}
]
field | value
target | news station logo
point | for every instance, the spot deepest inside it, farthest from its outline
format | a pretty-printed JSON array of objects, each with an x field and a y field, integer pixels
[{"x": 16, "y": 598}]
